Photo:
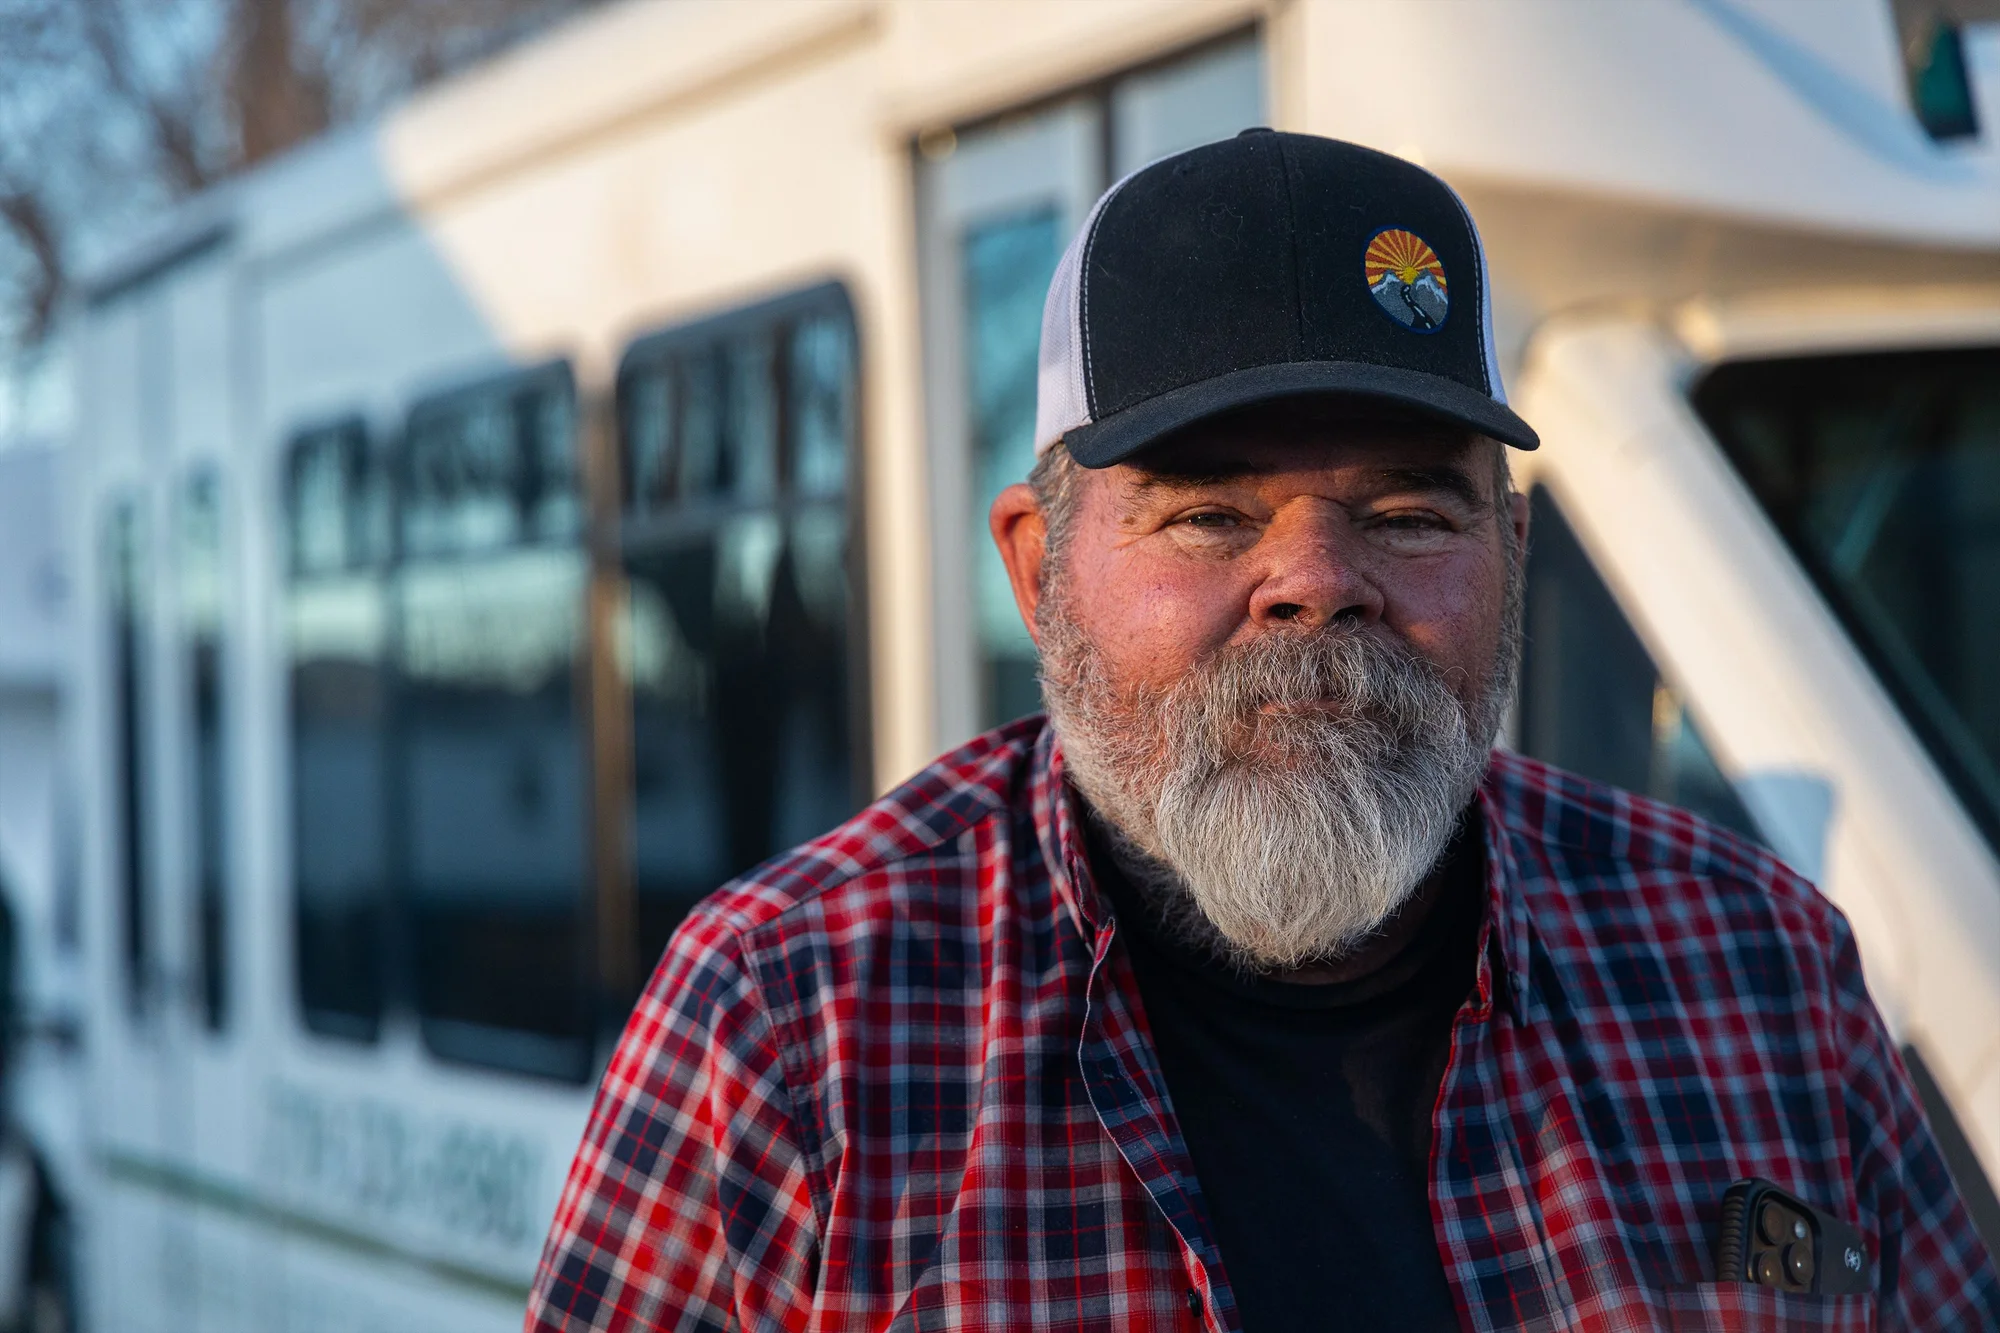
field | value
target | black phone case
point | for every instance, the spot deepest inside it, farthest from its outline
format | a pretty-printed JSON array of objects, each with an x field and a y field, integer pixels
[{"x": 1839, "y": 1257}]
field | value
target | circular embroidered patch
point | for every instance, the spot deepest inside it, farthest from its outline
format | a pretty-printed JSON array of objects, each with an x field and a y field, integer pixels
[{"x": 1406, "y": 280}]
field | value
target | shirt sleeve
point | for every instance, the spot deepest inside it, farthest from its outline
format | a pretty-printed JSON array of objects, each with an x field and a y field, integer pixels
[
  {"x": 687, "y": 1206},
  {"x": 1933, "y": 1270}
]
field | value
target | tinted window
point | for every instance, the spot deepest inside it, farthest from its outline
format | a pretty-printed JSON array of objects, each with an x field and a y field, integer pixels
[
  {"x": 1882, "y": 473},
  {"x": 336, "y": 641},
  {"x": 741, "y": 631},
  {"x": 998, "y": 201},
  {"x": 1181, "y": 104},
  {"x": 200, "y": 568},
  {"x": 127, "y": 563},
  {"x": 1008, "y": 264},
  {"x": 1592, "y": 700},
  {"x": 489, "y": 761},
  {"x": 68, "y": 907}
]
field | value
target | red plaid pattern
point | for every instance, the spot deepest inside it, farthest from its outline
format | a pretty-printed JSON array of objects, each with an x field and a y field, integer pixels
[{"x": 900, "y": 1078}]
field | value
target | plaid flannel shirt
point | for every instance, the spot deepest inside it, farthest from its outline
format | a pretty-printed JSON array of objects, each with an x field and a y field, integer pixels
[{"x": 901, "y": 1078}]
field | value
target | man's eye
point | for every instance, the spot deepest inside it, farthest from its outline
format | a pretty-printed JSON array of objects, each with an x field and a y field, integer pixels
[
  {"x": 1210, "y": 520},
  {"x": 1412, "y": 533}
]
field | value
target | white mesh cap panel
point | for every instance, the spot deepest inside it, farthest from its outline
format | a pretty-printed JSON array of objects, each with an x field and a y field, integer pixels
[
  {"x": 1061, "y": 403},
  {"x": 1486, "y": 309},
  {"x": 1492, "y": 357}
]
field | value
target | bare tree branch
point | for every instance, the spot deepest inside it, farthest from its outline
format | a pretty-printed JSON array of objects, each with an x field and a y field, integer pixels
[
  {"x": 110, "y": 108},
  {"x": 172, "y": 121},
  {"x": 27, "y": 216},
  {"x": 275, "y": 107}
]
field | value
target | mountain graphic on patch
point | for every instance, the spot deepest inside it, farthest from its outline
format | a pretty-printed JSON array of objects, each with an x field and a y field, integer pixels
[{"x": 1406, "y": 280}]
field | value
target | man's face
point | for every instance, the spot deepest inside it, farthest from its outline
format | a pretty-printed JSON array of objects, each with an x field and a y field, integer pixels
[
  {"x": 1275, "y": 652},
  {"x": 1227, "y": 536}
]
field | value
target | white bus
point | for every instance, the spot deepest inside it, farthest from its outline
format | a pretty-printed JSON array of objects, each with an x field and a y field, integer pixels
[{"x": 495, "y": 527}]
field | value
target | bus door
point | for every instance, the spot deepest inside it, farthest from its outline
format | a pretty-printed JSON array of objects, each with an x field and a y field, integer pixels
[
  {"x": 210, "y": 1083},
  {"x": 206, "y": 1086},
  {"x": 140, "y": 1248}
]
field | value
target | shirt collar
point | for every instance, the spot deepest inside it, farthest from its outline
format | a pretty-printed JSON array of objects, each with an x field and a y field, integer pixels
[
  {"x": 1505, "y": 938},
  {"x": 1060, "y": 831},
  {"x": 1507, "y": 941}
]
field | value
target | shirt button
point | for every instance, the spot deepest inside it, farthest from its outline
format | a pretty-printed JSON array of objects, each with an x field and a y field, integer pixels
[{"x": 1194, "y": 1302}]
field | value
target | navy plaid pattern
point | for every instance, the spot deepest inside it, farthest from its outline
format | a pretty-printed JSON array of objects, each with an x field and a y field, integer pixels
[{"x": 900, "y": 1078}]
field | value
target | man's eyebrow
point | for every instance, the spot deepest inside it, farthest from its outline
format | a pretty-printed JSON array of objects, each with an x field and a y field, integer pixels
[{"x": 1150, "y": 482}]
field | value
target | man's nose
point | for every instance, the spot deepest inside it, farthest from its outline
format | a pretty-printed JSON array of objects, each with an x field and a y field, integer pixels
[{"x": 1315, "y": 572}]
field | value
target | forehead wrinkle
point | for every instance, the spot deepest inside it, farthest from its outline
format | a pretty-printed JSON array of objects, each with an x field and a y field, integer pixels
[
  {"x": 1442, "y": 478},
  {"x": 1208, "y": 474},
  {"x": 1147, "y": 487}
]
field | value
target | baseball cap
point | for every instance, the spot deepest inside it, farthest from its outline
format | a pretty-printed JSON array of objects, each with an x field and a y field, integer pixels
[{"x": 1267, "y": 266}]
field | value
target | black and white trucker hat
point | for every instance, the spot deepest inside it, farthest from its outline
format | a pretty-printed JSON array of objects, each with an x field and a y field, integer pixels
[{"x": 1267, "y": 266}]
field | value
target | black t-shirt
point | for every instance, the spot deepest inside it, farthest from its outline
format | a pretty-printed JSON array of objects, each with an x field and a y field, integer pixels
[{"x": 1307, "y": 1110}]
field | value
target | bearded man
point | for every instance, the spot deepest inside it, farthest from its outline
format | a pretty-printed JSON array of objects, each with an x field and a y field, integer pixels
[{"x": 1251, "y": 989}]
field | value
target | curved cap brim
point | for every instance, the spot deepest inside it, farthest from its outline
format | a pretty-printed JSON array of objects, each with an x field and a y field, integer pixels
[{"x": 1123, "y": 434}]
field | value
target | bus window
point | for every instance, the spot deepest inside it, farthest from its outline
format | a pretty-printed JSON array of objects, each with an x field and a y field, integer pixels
[
  {"x": 997, "y": 203},
  {"x": 741, "y": 635},
  {"x": 1881, "y": 471},
  {"x": 336, "y": 638},
  {"x": 1008, "y": 263},
  {"x": 1179, "y": 104},
  {"x": 1591, "y": 699},
  {"x": 489, "y": 757},
  {"x": 126, "y": 566},
  {"x": 200, "y": 570}
]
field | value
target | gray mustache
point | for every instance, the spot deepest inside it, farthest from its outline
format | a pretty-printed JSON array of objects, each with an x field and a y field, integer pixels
[{"x": 1349, "y": 680}]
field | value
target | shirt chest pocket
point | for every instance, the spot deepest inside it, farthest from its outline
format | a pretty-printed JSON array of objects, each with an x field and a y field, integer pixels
[{"x": 1730, "y": 1307}]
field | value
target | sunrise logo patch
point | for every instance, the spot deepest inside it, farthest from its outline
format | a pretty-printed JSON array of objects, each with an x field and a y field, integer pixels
[{"x": 1406, "y": 280}]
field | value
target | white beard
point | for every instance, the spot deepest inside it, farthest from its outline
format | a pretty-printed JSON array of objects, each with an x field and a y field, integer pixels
[{"x": 1295, "y": 790}]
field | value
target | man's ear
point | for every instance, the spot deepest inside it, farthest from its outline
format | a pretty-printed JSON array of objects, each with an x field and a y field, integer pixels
[
  {"x": 1022, "y": 536},
  {"x": 1517, "y": 514}
]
